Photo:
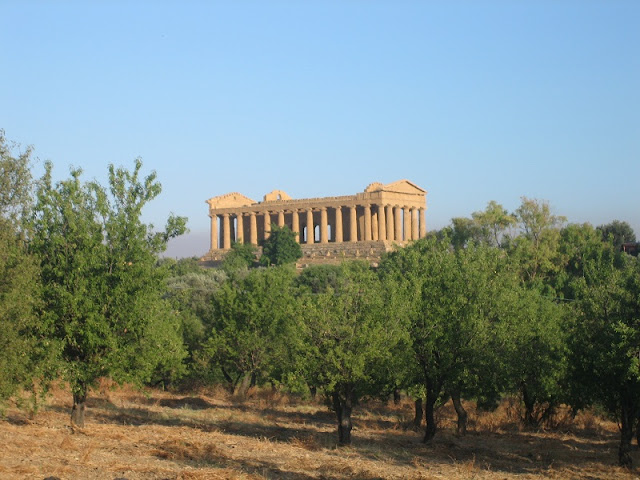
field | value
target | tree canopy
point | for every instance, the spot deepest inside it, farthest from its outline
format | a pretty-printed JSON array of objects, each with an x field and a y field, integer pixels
[{"x": 102, "y": 290}]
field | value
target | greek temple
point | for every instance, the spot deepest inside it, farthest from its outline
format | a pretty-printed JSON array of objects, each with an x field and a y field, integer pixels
[{"x": 330, "y": 228}]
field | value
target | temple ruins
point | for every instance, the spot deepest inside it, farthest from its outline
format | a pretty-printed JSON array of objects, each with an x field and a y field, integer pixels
[{"x": 363, "y": 225}]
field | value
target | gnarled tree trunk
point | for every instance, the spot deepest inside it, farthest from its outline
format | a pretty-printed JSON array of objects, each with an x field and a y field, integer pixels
[
  {"x": 433, "y": 392},
  {"x": 79, "y": 405},
  {"x": 396, "y": 396},
  {"x": 343, "y": 405},
  {"x": 461, "y": 412},
  {"x": 417, "y": 419},
  {"x": 628, "y": 415}
]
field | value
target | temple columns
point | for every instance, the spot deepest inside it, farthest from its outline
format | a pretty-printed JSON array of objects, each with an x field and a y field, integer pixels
[
  {"x": 382, "y": 227},
  {"x": 310, "y": 229},
  {"x": 267, "y": 225},
  {"x": 295, "y": 224},
  {"x": 423, "y": 223},
  {"x": 390, "y": 225},
  {"x": 226, "y": 231},
  {"x": 253, "y": 229},
  {"x": 324, "y": 237},
  {"x": 353, "y": 225},
  {"x": 414, "y": 224},
  {"x": 338, "y": 235},
  {"x": 407, "y": 224},
  {"x": 214, "y": 232},
  {"x": 398, "y": 220},
  {"x": 240, "y": 228},
  {"x": 281, "y": 218},
  {"x": 367, "y": 223}
]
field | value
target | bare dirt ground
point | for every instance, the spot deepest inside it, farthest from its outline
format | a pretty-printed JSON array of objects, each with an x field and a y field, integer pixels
[{"x": 209, "y": 435}]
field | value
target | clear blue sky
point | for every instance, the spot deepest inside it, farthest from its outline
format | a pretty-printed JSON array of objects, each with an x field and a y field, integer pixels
[{"x": 471, "y": 100}]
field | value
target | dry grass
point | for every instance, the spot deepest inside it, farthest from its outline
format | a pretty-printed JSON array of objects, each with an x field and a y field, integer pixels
[{"x": 210, "y": 435}]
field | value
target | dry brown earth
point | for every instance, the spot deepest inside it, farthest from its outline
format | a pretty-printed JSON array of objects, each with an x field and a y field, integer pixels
[{"x": 159, "y": 435}]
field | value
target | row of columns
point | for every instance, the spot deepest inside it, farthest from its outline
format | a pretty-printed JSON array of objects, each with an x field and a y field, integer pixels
[{"x": 365, "y": 223}]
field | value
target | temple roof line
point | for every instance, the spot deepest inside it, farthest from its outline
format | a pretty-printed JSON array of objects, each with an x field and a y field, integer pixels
[{"x": 279, "y": 197}]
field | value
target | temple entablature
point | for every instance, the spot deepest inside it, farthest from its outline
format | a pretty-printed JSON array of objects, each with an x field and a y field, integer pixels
[{"x": 372, "y": 221}]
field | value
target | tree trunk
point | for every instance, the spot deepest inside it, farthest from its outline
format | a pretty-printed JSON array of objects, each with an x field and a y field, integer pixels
[
  {"x": 627, "y": 417},
  {"x": 313, "y": 390},
  {"x": 343, "y": 407},
  {"x": 230, "y": 383},
  {"x": 462, "y": 413},
  {"x": 396, "y": 396},
  {"x": 243, "y": 386},
  {"x": 433, "y": 392},
  {"x": 79, "y": 404},
  {"x": 529, "y": 405},
  {"x": 417, "y": 420}
]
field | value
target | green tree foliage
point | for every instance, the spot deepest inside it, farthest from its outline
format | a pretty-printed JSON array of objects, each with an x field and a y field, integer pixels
[
  {"x": 102, "y": 289},
  {"x": 493, "y": 222},
  {"x": 617, "y": 232},
  {"x": 451, "y": 302},
  {"x": 281, "y": 247},
  {"x": 536, "y": 248},
  {"x": 191, "y": 289},
  {"x": 605, "y": 339},
  {"x": 489, "y": 227},
  {"x": 24, "y": 349},
  {"x": 534, "y": 339},
  {"x": 253, "y": 318},
  {"x": 241, "y": 257},
  {"x": 349, "y": 339},
  {"x": 319, "y": 278}
]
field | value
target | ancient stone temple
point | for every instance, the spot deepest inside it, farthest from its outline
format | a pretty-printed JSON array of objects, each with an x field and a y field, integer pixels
[{"x": 332, "y": 228}]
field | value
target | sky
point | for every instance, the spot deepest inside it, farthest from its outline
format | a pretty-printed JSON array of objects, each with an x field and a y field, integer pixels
[{"x": 471, "y": 100}]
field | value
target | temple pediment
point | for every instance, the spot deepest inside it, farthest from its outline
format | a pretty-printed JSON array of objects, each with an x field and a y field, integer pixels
[
  {"x": 403, "y": 186},
  {"x": 230, "y": 200}
]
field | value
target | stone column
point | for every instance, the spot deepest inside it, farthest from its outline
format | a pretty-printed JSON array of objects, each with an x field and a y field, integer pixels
[
  {"x": 374, "y": 224},
  {"x": 414, "y": 224},
  {"x": 398, "y": 219},
  {"x": 267, "y": 225},
  {"x": 339, "y": 236},
  {"x": 226, "y": 231},
  {"x": 423, "y": 223},
  {"x": 390, "y": 227},
  {"x": 240, "y": 228},
  {"x": 353, "y": 224},
  {"x": 310, "y": 229},
  {"x": 253, "y": 228},
  {"x": 324, "y": 237},
  {"x": 367, "y": 223},
  {"x": 214, "y": 232},
  {"x": 281, "y": 219},
  {"x": 407, "y": 224},
  {"x": 382, "y": 227},
  {"x": 295, "y": 224}
]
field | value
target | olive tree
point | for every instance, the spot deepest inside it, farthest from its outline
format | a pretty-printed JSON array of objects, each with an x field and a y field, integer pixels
[
  {"x": 349, "y": 337},
  {"x": 102, "y": 292}
]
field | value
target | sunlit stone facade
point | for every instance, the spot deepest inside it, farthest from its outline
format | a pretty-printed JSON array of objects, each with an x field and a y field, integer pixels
[{"x": 331, "y": 228}]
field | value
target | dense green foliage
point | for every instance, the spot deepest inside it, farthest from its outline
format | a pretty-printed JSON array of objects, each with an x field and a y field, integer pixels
[
  {"x": 349, "y": 337},
  {"x": 25, "y": 348},
  {"x": 281, "y": 248},
  {"x": 499, "y": 304},
  {"x": 102, "y": 293}
]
